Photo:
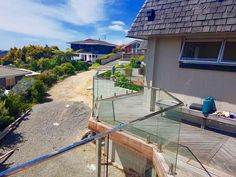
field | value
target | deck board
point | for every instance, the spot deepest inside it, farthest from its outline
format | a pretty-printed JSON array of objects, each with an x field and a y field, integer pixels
[{"x": 213, "y": 149}]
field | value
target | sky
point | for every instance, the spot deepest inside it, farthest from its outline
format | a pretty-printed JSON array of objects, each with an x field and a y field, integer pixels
[{"x": 55, "y": 22}]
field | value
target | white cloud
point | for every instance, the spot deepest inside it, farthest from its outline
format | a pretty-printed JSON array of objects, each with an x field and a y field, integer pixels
[
  {"x": 26, "y": 22},
  {"x": 121, "y": 23},
  {"x": 31, "y": 18},
  {"x": 118, "y": 28}
]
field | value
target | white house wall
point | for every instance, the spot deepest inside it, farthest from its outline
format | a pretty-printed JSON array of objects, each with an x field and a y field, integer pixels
[{"x": 189, "y": 85}]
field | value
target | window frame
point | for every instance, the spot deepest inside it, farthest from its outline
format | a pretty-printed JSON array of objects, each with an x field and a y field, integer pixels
[{"x": 220, "y": 58}]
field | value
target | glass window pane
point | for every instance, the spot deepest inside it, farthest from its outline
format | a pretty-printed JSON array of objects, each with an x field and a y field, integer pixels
[
  {"x": 201, "y": 51},
  {"x": 230, "y": 52}
]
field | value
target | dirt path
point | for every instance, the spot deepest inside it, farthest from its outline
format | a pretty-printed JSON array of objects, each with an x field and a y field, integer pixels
[{"x": 74, "y": 88}]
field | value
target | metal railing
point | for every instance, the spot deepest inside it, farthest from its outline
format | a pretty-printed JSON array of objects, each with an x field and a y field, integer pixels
[
  {"x": 78, "y": 144},
  {"x": 151, "y": 124}
]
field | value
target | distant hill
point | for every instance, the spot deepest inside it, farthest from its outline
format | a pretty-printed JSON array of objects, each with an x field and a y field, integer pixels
[{"x": 3, "y": 52}]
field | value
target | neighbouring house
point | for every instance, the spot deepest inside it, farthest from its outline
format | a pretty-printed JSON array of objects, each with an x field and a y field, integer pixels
[
  {"x": 10, "y": 76},
  {"x": 90, "y": 49},
  {"x": 133, "y": 47}
]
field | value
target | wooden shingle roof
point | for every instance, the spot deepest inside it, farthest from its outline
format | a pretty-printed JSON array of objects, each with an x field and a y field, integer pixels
[{"x": 175, "y": 17}]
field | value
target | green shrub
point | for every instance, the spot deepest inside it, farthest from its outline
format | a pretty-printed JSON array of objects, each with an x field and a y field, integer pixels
[
  {"x": 46, "y": 64},
  {"x": 58, "y": 70},
  {"x": 141, "y": 58},
  {"x": 48, "y": 78},
  {"x": 132, "y": 62},
  {"x": 2, "y": 94},
  {"x": 79, "y": 65},
  {"x": 107, "y": 74},
  {"x": 5, "y": 118},
  {"x": 128, "y": 70},
  {"x": 95, "y": 65},
  {"x": 122, "y": 81},
  {"x": 119, "y": 66},
  {"x": 37, "y": 91},
  {"x": 68, "y": 68},
  {"x": 16, "y": 104}
]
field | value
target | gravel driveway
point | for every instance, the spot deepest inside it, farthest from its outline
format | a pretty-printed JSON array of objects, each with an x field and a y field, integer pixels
[{"x": 53, "y": 125}]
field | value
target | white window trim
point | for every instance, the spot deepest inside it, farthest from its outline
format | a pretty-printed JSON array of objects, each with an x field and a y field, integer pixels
[{"x": 220, "y": 55}]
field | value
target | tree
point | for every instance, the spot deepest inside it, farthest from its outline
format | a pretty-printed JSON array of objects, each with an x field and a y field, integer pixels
[
  {"x": 38, "y": 91},
  {"x": 68, "y": 68},
  {"x": 46, "y": 64},
  {"x": 79, "y": 65},
  {"x": 48, "y": 78},
  {"x": 58, "y": 70},
  {"x": 16, "y": 104},
  {"x": 5, "y": 118},
  {"x": 2, "y": 94}
]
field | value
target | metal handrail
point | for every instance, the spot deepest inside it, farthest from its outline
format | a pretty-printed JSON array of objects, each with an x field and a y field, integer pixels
[{"x": 196, "y": 159}]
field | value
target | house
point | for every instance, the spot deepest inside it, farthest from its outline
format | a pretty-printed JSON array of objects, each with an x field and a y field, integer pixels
[
  {"x": 133, "y": 47},
  {"x": 2, "y": 54},
  {"x": 192, "y": 43},
  {"x": 190, "y": 56},
  {"x": 90, "y": 49},
  {"x": 10, "y": 76}
]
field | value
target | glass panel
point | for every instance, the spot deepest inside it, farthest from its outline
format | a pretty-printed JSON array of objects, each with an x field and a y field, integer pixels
[
  {"x": 202, "y": 51},
  {"x": 146, "y": 109},
  {"x": 230, "y": 52}
]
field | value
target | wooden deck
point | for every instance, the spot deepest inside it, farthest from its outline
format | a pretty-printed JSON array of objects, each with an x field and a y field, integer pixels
[{"x": 213, "y": 149}]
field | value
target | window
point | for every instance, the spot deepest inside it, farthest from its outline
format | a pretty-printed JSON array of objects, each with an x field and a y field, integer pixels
[
  {"x": 201, "y": 51},
  {"x": 230, "y": 52},
  {"x": 209, "y": 54}
]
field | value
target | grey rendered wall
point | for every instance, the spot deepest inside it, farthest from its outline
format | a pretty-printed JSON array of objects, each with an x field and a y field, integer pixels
[{"x": 189, "y": 85}]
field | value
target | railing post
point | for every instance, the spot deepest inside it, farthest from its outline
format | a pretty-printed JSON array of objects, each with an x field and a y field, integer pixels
[
  {"x": 113, "y": 110},
  {"x": 98, "y": 157},
  {"x": 172, "y": 170},
  {"x": 107, "y": 154}
]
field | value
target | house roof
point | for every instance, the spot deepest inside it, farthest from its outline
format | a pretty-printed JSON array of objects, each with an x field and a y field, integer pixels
[
  {"x": 175, "y": 17},
  {"x": 92, "y": 42},
  {"x": 133, "y": 42},
  {"x": 8, "y": 71}
]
